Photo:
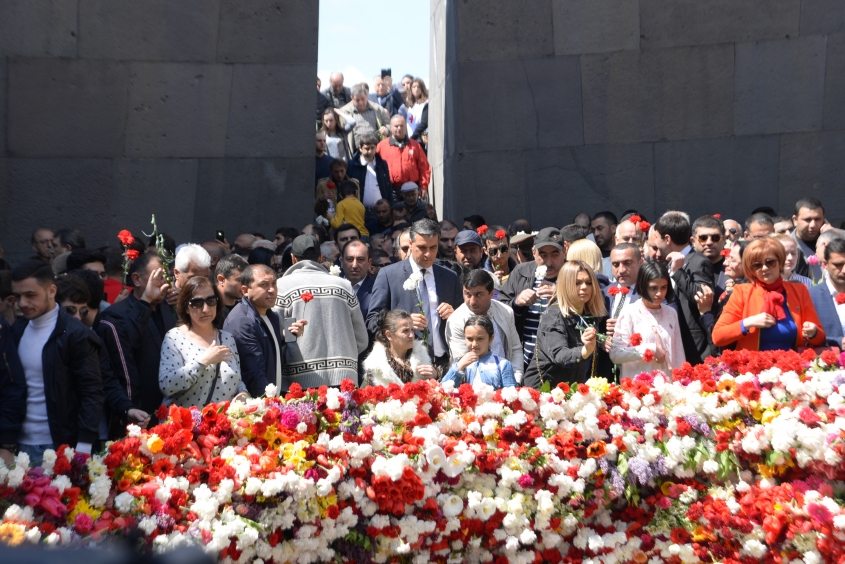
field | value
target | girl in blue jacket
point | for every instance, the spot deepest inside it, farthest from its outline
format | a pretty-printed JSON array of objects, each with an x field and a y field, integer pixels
[{"x": 479, "y": 365}]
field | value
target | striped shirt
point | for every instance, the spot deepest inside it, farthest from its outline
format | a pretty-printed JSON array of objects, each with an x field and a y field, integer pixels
[{"x": 532, "y": 324}]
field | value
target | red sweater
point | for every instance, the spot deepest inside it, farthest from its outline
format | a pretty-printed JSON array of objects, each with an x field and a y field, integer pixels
[{"x": 408, "y": 164}]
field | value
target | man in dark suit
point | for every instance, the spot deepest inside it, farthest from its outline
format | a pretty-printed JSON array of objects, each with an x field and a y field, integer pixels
[
  {"x": 132, "y": 331},
  {"x": 625, "y": 260},
  {"x": 355, "y": 262},
  {"x": 670, "y": 240},
  {"x": 438, "y": 289},
  {"x": 827, "y": 295},
  {"x": 384, "y": 97}
]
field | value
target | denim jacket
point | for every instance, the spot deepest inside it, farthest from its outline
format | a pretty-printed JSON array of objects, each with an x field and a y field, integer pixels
[{"x": 494, "y": 371}]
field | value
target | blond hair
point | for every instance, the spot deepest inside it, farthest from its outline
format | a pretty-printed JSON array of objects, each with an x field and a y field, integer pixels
[
  {"x": 586, "y": 251},
  {"x": 566, "y": 291}
]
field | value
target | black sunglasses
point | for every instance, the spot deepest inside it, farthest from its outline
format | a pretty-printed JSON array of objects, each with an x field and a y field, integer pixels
[
  {"x": 83, "y": 311},
  {"x": 196, "y": 303},
  {"x": 716, "y": 237},
  {"x": 501, "y": 249}
]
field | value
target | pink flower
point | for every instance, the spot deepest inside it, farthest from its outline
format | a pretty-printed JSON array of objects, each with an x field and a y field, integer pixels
[
  {"x": 83, "y": 523},
  {"x": 819, "y": 513},
  {"x": 526, "y": 481},
  {"x": 813, "y": 259}
]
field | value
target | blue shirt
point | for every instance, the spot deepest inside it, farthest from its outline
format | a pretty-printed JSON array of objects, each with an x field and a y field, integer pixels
[
  {"x": 782, "y": 335},
  {"x": 493, "y": 371}
]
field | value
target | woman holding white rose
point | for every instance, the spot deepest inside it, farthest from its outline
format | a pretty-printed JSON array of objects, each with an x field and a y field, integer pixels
[{"x": 397, "y": 358}]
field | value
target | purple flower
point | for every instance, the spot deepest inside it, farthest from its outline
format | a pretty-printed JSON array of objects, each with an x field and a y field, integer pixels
[{"x": 639, "y": 471}]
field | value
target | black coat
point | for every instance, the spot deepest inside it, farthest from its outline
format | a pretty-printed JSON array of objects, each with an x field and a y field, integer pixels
[
  {"x": 255, "y": 345},
  {"x": 696, "y": 272},
  {"x": 73, "y": 386},
  {"x": 359, "y": 172},
  {"x": 132, "y": 333},
  {"x": 558, "y": 352},
  {"x": 12, "y": 387}
]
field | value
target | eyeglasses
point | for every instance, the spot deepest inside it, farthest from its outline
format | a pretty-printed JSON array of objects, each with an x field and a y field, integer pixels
[
  {"x": 83, "y": 311},
  {"x": 495, "y": 251},
  {"x": 715, "y": 237},
  {"x": 196, "y": 303},
  {"x": 769, "y": 263},
  {"x": 388, "y": 263}
]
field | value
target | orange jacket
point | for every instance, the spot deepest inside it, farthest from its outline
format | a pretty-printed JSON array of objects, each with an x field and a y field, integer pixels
[
  {"x": 747, "y": 300},
  {"x": 408, "y": 164}
]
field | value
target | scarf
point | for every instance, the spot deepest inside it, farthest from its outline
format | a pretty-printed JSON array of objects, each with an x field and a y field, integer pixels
[{"x": 774, "y": 300}]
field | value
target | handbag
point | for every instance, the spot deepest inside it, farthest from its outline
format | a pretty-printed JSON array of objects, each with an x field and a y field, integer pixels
[{"x": 216, "y": 377}]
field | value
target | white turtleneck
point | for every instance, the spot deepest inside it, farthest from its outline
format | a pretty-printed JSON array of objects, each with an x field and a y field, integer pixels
[{"x": 36, "y": 428}]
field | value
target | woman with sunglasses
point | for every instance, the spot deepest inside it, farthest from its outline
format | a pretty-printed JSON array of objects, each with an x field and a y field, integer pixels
[
  {"x": 199, "y": 362},
  {"x": 568, "y": 347},
  {"x": 768, "y": 313}
]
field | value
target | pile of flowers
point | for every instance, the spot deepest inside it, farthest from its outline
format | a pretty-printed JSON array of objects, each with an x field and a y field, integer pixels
[{"x": 737, "y": 460}]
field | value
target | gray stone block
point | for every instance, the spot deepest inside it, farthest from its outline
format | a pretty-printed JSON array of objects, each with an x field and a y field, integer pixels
[
  {"x": 595, "y": 26},
  {"x": 822, "y": 16},
  {"x": 779, "y": 85},
  {"x": 834, "y": 82},
  {"x": 670, "y": 23},
  {"x": 66, "y": 108},
  {"x": 263, "y": 117},
  {"x": 535, "y": 103},
  {"x": 731, "y": 175},
  {"x": 153, "y": 30},
  {"x": 492, "y": 184},
  {"x": 57, "y": 193},
  {"x": 4, "y": 81},
  {"x": 245, "y": 195},
  {"x": 269, "y": 31},
  {"x": 811, "y": 164},
  {"x": 164, "y": 187},
  {"x": 678, "y": 93},
  {"x": 38, "y": 28},
  {"x": 564, "y": 182},
  {"x": 177, "y": 109},
  {"x": 504, "y": 30}
]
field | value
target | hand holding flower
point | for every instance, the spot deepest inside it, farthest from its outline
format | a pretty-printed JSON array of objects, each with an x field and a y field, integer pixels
[
  {"x": 420, "y": 322},
  {"x": 297, "y": 328},
  {"x": 588, "y": 337}
]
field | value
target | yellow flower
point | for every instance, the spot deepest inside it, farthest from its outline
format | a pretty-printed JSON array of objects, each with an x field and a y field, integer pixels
[
  {"x": 83, "y": 507},
  {"x": 768, "y": 416},
  {"x": 11, "y": 534},
  {"x": 155, "y": 444},
  {"x": 598, "y": 385}
]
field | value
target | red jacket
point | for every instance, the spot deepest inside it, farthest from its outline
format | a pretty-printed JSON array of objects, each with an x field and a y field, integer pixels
[
  {"x": 408, "y": 164},
  {"x": 747, "y": 300}
]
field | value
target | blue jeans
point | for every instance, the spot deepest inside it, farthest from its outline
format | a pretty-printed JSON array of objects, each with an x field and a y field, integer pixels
[{"x": 35, "y": 452}]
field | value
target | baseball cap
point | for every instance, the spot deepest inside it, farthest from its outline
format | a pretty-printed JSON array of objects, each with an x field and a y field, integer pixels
[
  {"x": 302, "y": 244},
  {"x": 521, "y": 236},
  {"x": 409, "y": 187},
  {"x": 467, "y": 236},
  {"x": 548, "y": 237}
]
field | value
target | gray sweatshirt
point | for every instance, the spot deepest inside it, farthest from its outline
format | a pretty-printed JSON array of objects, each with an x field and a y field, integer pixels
[{"x": 327, "y": 352}]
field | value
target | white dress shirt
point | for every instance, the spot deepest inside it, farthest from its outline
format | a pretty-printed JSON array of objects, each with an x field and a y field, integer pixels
[
  {"x": 432, "y": 315},
  {"x": 371, "y": 192}
]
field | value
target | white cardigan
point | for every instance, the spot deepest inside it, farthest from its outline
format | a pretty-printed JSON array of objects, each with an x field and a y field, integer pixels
[{"x": 378, "y": 368}]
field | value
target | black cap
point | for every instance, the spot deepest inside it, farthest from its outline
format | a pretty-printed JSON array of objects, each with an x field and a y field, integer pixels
[
  {"x": 302, "y": 244},
  {"x": 468, "y": 236},
  {"x": 548, "y": 237}
]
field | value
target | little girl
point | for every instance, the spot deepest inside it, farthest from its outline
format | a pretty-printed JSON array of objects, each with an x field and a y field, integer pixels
[{"x": 479, "y": 365}]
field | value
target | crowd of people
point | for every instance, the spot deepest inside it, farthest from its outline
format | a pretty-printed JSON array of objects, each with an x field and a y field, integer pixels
[{"x": 378, "y": 291}]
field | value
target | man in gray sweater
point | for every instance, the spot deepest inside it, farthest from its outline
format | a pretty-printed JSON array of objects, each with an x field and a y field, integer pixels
[{"x": 324, "y": 355}]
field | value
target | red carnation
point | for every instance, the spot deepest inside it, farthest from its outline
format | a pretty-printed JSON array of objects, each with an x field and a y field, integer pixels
[
  {"x": 648, "y": 356},
  {"x": 501, "y": 234},
  {"x": 306, "y": 296},
  {"x": 725, "y": 252},
  {"x": 126, "y": 237},
  {"x": 330, "y": 184},
  {"x": 636, "y": 339},
  {"x": 482, "y": 230},
  {"x": 717, "y": 215},
  {"x": 613, "y": 291},
  {"x": 644, "y": 226},
  {"x": 132, "y": 254},
  {"x": 635, "y": 219},
  {"x": 840, "y": 298},
  {"x": 624, "y": 290}
]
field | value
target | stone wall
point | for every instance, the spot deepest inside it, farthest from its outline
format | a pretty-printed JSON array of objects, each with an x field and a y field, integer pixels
[
  {"x": 553, "y": 107},
  {"x": 195, "y": 110}
]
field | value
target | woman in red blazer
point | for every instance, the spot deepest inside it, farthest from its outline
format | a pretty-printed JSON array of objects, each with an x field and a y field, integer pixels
[{"x": 768, "y": 314}]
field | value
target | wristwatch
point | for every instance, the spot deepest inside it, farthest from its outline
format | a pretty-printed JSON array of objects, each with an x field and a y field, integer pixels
[{"x": 11, "y": 447}]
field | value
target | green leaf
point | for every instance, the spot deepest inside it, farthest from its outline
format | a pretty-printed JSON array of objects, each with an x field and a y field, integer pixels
[
  {"x": 622, "y": 465},
  {"x": 546, "y": 387}
]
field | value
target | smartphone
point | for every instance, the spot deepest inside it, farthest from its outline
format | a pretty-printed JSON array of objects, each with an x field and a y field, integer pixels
[
  {"x": 289, "y": 338},
  {"x": 220, "y": 235},
  {"x": 385, "y": 72}
]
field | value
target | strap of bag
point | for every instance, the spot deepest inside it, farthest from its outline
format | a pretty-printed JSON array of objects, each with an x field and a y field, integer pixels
[{"x": 216, "y": 377}]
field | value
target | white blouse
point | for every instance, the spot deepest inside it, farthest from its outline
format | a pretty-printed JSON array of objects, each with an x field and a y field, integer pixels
[
  {"x": 185, "y": 381},
  {"x": 651, "y": 324}
]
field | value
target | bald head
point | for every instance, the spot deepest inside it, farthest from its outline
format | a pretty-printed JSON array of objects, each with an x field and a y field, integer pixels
[
  {"x": 398, "y": 129},
  {"x": 336, "y": 80}
]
